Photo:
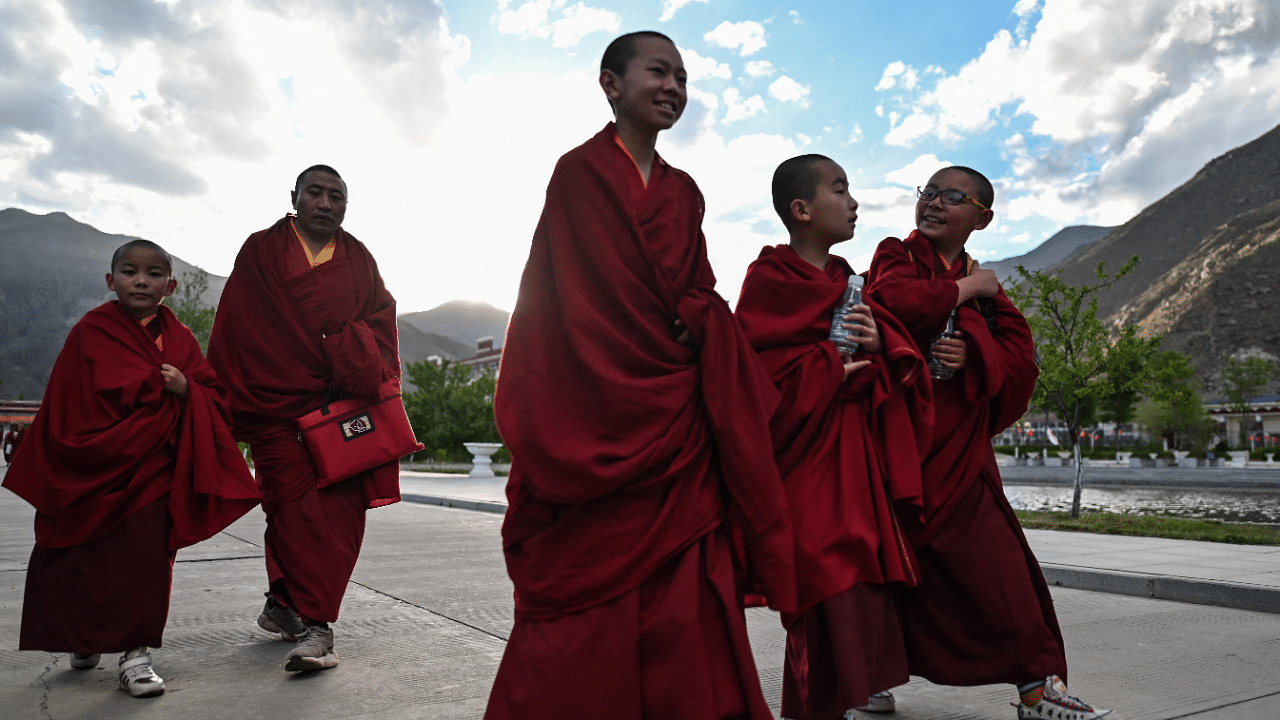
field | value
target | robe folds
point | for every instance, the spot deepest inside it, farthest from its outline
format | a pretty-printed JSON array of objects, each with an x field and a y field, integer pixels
[
  {"x": 849, "y": 451},
  {"x": 982, "y": 612},
  {"x": 628, "y": 447},
  {"x": 122, "y": 474},
  {"x": 287, "y": 338},
  {"x": 108, "y": 440}
]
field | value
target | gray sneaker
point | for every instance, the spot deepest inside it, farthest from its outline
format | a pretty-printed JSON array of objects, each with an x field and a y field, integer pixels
[
  {"x": 85, "y": 661},
  {"x": 881, "y": 702},
  {"x": 277, "y": 618},
  {"x": 314, "y": 651}
]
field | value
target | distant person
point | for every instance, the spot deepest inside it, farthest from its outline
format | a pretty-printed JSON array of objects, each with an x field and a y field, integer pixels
[
  {"x": 129, "y": 459},
  {"x": 982, "y": 612},
  {"x": 305, "y": 319},
  {"x": 635, "y": 412},
  {"x": 848, "y": 435},
  {"x": 8, "y": 443}
]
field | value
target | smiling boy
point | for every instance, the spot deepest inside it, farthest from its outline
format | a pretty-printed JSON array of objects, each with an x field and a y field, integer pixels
[
  {"x": 635, "y": 412},
  {"x": 982, "y": 612},
  {"x": 132, "y": 422},
  {"x": 845, "y": 438}
]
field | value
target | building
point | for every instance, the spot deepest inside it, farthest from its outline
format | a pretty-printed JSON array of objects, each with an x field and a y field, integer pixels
[
  {"x": 14, "y": 412},
  {"x": 1261, "y": 421},
  {"x": 487, "y": 357}
]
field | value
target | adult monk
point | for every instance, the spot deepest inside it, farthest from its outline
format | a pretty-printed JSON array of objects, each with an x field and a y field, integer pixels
[
  {"x": 848, "y": 436},
  {"x": 982, "y": 612},
  {"x": 635, "y": 412},
  {"x": 305, "y": 318}
]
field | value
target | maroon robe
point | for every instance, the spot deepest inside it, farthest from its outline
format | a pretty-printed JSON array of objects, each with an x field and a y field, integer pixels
[
  {"x": 849, "y": 452},
  {"x": 122, "y": 474},
  {"x": 982, "y": 612},
  {"x": 287, "y": 337},
  {"x": 630, "y": 449}
]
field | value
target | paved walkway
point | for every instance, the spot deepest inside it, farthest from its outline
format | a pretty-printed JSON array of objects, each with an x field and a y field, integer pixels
[
  {"x": 1239, "y": 576},
  {"x": 427, "y": 614}
]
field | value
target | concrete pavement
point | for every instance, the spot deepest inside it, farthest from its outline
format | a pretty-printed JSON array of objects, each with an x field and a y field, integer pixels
[{"x": 427, "y": 614}]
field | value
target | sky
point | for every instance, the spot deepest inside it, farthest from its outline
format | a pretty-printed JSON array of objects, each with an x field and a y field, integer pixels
[{"x": 186, "y": 121}]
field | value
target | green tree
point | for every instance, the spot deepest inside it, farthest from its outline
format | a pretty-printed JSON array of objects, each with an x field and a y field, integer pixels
[
  {"x": 1117, "y": 402},
  {"x": 1244, "y": 379},
  {"x": 189, "y": 307},
  {"x": 1079, "y": 362},
  {"x": 1175, "y": 410},
  {"x": 450, "y": 406}
]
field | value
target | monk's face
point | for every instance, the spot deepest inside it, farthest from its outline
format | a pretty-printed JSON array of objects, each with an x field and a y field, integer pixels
[
  {"x": 941, "y": 222},
  {"x": 832, "y": 212},
  {"x": 321, "y": 204},
  {"x": 651, "y": 94},
  {"x": 141, "y": 280}
]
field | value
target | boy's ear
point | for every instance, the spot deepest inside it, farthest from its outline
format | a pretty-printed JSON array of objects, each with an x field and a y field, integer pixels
[
  {"x": 609, "y": 83},
  {"x": 799, "y": 210},
  {"x": 173, "y": 285},
  {"x": 111, "y": 282},
  {"x": 984, "y": 220}
]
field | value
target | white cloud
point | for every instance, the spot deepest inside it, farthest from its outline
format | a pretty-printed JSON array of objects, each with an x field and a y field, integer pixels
[
  {"x": 1118, "y": 104},
  {"x": 795, "y": 17},
  {"x": 788, "y": 90},
  {"x": 739, "y": 109},
  {"x": 748, "y": 36},
  {"x": 855, "y": 135},
  {"x": 918, "y": 172},
  {"x": 702, "y": 68},
  {"x": 759, "y": 68},
  {"x": 669, "y": 7},
  {"x": 533, "y": 19}
]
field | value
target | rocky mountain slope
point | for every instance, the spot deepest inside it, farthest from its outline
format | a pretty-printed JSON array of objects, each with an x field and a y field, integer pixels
[{"x": 1050, "y": 252}]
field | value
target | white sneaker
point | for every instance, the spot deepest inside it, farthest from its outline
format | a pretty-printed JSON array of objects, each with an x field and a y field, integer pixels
[
  {"x": 85, "y": 661},
  {"x": 136, "y": 674},
  {"x": 881, "y": 702},
  {"x": 314, "y": 651},
  {"x": 1058, "y": 705}
]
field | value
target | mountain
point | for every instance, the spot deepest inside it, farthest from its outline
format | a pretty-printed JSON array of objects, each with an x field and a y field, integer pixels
[
  {"x": 463, "y": 321},
  {"x": 1209, "y": 276},
  {"x": 1050, "y": 252},
  {"x": 52, "y": 271}
]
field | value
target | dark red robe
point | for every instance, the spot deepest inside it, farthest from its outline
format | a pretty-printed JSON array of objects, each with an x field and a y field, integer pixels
[
  {"x": 286, "y": 337},
  {"x": 122, "y": 474},
  {"x": 982, "y": 612},
  {"x": 849, "y": 452},
  {"x": 630, "y": 450}
]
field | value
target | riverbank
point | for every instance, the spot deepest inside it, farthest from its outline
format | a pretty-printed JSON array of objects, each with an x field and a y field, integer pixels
[
  {"x": 1260, "y": 477},
  {"x": 1133, "y": 525}
]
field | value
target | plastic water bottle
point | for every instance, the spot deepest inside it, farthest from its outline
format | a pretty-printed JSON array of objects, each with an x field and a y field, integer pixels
[
  {"x": 839, "y": 333},
  {"x": 937, "y": 370}
]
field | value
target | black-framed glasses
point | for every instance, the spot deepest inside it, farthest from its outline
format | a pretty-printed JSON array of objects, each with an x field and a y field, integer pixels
[{"x": 950, "y": 197}]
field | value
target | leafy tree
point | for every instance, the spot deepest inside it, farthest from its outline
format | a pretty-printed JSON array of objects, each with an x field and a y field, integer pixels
[
  {"x": 190, "y": 309},
  {"x": 1176, "y": 410},
  {"x": 450, "y": 407},
  {"x": 1079, "y": 362},
  {"x": 1117, "y": 403},
  {"x": 1244, "y": 379}
]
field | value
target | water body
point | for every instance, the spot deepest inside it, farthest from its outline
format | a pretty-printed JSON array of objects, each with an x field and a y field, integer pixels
[{"x": 1230, "y": 505}]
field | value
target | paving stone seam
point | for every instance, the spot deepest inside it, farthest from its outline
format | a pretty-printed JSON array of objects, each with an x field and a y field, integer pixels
[{"x": 1227, "y": 705}]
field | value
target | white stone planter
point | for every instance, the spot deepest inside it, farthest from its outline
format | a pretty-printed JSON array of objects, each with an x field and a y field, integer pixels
[
  {"x": 482, "y": 458},
  {"x": 1123, "y": 457},
  {"x": 1239, "y": 458},
  {"x": 1179, "y": 456}
]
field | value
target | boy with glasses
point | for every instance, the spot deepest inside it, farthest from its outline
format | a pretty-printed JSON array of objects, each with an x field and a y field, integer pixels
[{"x": 982, "y": 612}]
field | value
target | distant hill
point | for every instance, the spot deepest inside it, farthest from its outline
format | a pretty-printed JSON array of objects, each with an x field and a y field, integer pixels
[
  {"x": 52, "y": 272},
  {"x": 1209, "y": 278},
  {"x": 463, "y": 321},
  {"x": 1050, "y": 252}
]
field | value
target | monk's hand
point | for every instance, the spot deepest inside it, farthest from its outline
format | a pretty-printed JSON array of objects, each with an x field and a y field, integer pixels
[
  {"x": 850, "y": 365},
  {"x": 951, "y": 351},
  {"x": 174, "y": 381},
  {"x": 681, "y": 333},
  {"x": 863, "y": 330}
]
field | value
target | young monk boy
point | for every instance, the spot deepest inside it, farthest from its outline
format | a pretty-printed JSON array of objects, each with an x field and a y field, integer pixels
[
  {"x": 982, "y": 611},
  {"x": 129, "y": 458},
  {"x": 635, "y": 412},
  {"x": 846, "y": 442}
]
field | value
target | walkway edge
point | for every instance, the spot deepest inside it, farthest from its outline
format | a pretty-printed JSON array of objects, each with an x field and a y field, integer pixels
[
  {"x": 481, "y": 505},
  {"x": 1165, "y": 587}
]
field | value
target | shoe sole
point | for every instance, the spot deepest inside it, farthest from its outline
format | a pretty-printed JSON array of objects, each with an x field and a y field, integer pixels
[
  {"x": 85, "y": 665},
  {"x": 305, "y": 664},
  {"x": 149, "y": 692}
]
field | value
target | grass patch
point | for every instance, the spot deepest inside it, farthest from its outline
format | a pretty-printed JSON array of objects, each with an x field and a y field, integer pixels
[{"x": 1152, "y": 526}]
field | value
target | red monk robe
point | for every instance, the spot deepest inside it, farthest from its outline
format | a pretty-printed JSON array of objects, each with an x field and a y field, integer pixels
[
  {"x": 122, "y": 474},
  {"x": 630, "y": 450},
  {"x": 849, "y": 452},
  {"x": 982, "y": 612},
  {"x": 287, "y": 333}
]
